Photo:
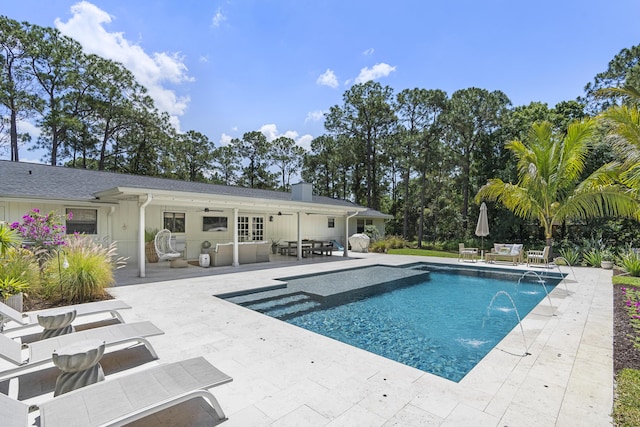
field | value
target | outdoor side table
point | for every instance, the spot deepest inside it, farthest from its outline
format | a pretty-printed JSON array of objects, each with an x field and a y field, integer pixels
[
  {"x": 57, "y": 324},
  {"x": 79, "y": 364}
]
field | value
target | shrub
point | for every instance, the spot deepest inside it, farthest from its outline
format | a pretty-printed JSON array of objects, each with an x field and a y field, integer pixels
[
  {"x": 89, "y": 272},
  {"x": 21, "y": 265},
  {"x": 11, "y": 286},
  {"x": 593, "y": 257},
  {"x": 571, "y": 255},
  {"x": 43, "y": 233},
  {"x": 630, "y": 262},
  {"x": 389, "y": 242},
  {"x": 9, "y": 239}
]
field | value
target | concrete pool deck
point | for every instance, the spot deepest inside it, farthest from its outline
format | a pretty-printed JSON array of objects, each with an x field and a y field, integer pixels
[{"x": 287, "y": 376}]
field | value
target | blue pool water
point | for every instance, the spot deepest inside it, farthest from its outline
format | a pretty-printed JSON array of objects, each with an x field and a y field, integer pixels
[{"x": 442, "y": 325}]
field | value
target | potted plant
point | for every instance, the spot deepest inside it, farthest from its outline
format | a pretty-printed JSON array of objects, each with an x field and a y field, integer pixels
[
  {"x": 274, "y": 245},
  {"x": 606, "y": 259},
  {"x": 11, "y": 292},
  {"x": 149, "y": 247}
]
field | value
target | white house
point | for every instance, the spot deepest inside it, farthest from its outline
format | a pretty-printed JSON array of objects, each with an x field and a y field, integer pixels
[{"x": 120, "y": 207}]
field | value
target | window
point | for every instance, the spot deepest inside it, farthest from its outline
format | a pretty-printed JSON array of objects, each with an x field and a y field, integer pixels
[
  {"x": 214, "y": 223},
  {"x": 361, "y": 225},
  {"x": 174, "y": 222},
  {"x": 331, "y": 223},
  {"x": 83, "y": 221}
]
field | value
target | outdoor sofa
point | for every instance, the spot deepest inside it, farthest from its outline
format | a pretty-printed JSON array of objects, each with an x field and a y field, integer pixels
[
  {"x": 505, "y": 252},
  {"x": 248, "y": 253}
]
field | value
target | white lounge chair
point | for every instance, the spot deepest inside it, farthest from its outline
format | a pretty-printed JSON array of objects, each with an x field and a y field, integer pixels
[
  {"x": 40, "y": 352},
  {"x": 122, "y": 400},
  {"x": 29, "y": 319},
  {"x": 163, "y": 246}
]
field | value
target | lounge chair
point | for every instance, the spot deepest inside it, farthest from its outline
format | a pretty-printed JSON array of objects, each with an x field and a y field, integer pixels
[
  {"x": 124, "y": 399},
  {"x": 29, "y": 319},
  {"x": 538, "y": 257},
  {"x": 467, "y": 254},
  {"x": 164, "y": 249},
  {"x": 40, "y": 352}
]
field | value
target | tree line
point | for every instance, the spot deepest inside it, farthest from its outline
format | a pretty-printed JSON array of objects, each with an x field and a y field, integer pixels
[{"x": 419, "y": 154}]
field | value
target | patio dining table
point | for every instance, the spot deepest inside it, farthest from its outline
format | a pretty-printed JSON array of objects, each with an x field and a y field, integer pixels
[{"x": 307, "y": 246}]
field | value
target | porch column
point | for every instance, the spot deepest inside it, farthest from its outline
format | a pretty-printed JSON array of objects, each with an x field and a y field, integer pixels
[
  {"x": 235, "y": 262},
  {"x": 141, "y": 227},
  {"x": 299, "y": 245}
]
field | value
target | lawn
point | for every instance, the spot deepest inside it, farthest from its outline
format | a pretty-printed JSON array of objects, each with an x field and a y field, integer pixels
[{"x": 423, "y": 252}]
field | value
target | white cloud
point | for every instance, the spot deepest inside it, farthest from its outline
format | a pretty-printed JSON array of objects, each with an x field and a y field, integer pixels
[
  {"x": 328, "y": 78},
  {"x": 218, "y": 18},
  {"x": 203, "y": 59},
  {"x": 225, "y": 139},
  {"x": 270, "y": 131},
  {"x": 314, "y": 116},
  {"x": 305, "y": 141},
  {"x": 368, "y": 52},
  {"x": 375, "y": 72},
  {"x": 153, "y": 71}
]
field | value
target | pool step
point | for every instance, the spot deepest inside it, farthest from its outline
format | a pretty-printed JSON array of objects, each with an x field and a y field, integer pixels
[{"x": 283, "y": 306}]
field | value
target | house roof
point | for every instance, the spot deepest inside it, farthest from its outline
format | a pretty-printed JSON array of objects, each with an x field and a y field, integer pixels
[
  {"x": 39, "y": 181},
  {"x": 372, "y": 213}
]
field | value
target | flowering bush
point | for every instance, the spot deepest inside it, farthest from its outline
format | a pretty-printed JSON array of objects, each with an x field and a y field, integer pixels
[
  {"x": 43, "y": 230},
  {"x": 633, "y": 309},
  {"x": 42, "y": 233}
]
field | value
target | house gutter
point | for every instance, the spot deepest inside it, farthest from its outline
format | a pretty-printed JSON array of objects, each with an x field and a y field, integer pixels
[
  {"x": 141, "y": 228},
  {"x": 112, "y": 210}
]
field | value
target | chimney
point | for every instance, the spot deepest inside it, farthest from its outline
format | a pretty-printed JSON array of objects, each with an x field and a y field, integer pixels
[{"x": 302, "y": 192}]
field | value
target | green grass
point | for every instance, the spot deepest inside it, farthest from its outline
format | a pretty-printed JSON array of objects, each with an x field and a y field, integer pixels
[
  {"x": 626, "y": 280},
  {"x": 626, "y": 408},
  {"x": 422, "y": 252}
]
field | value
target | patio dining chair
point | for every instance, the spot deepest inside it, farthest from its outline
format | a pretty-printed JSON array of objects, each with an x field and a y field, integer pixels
[
  {"x": 163, "y": 246},
  {"x": 538, "y": 257}
]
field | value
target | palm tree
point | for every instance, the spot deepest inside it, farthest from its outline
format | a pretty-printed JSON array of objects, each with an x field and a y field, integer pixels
[
  {"x": 624, "y": 132},
  {"x": 550, "y": 165}
]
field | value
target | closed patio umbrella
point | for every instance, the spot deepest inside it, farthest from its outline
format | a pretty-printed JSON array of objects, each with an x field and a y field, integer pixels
[{"x": 482, "y": 229}]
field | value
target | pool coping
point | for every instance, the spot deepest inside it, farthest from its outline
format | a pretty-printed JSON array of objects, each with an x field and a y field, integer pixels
[{"x": 286, "y": 375}]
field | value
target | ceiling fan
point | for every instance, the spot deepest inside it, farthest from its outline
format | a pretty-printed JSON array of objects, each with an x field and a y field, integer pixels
[
  {"x": 211, "y": 210},
  {"x": 280, "y": 214}
]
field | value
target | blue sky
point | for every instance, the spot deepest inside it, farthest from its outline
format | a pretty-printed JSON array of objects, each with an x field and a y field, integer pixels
[{"x": 224, "y": 68}]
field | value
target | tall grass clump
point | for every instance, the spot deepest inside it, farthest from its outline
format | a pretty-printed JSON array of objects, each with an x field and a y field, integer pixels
[
  {"x": 20, "y": 267},
  {"x": 89, "y": 272}
]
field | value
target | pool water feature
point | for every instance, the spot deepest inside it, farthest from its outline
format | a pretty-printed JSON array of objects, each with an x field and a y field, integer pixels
[{"x": 433, "y": 319}]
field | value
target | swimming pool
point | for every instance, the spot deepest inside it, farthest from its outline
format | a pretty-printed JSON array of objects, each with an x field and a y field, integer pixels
[{"x": 432, "y": 318}]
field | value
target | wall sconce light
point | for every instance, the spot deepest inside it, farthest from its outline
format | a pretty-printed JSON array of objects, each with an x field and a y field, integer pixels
[{"x": 270, "y": 218}]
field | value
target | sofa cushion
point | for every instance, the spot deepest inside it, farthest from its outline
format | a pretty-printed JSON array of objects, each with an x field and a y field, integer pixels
[
  {"x": 515, "y": 249},
  {"x": 504, "y": 250}
]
